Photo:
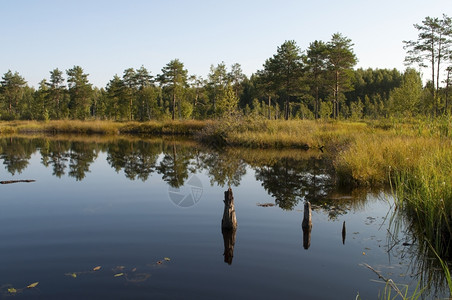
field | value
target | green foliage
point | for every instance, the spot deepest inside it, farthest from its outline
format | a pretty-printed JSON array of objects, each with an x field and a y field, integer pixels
[
  {"x": 340, "y": 61},
  {"x": 56, "y": 94},
  {"x": 173, "y": 80},
  {"x": 325, "y": 109},
  {"x": 283, "y": 72},
  {"x": 373, "y": 88},
  {"x": 356, "y": 109},
  {"x": 405, "y": 100},
  {"x": 227, "y": 104},
  {"x": 11, "y": 94},
  {"x": 432, "y": 48},
  {"x": 291, "y": 84},
  {"x": 80, "y": 91},
  {"x": 38, "y": 108},
  {"x": 316, "y": 64}
]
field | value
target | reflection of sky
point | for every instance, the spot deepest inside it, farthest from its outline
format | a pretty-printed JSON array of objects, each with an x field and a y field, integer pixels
[{"x": 60, "y": 225}]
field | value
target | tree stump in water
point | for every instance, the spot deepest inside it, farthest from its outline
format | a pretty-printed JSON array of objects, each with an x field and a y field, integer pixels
[
  {"x": 307, "y": 225},
  {"x": 229, "y": 220},
  {"x": 344, "y": 233},
  {"x": 229, "y": 242}
]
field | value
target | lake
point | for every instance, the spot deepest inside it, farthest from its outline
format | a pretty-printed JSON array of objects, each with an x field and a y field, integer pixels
[{"x": 133, "y": 218}]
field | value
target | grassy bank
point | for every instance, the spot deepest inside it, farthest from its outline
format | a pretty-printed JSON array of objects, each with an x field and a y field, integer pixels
[
  {"x": 103, "y": 127},
  {"x": 303, "y": 134},
  {"x": 424, "y": 193}
]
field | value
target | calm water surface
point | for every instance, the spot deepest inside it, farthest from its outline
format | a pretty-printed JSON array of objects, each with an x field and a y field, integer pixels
[{"x": 149, "y": 214}]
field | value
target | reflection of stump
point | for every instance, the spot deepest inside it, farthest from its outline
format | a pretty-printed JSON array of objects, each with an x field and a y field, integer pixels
[
  {"x": 229, "y": 242},
  {"x": 307, "y": 225},
  {"x": 229, "y": 220},
  {"x": 343, "y": 233}
]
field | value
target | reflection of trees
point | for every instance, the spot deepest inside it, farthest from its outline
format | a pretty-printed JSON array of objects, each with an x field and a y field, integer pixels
[
  {"x": 55, "y": 153},
  {"x": 75, "y": 156},
  {"x": 175, "y": 163},
  {"x": 223, "y": 168},
  {"x": 15, "y": 154},
  {"x": 289, "y": 180},
  {"x": 136, "y": 158},
  {"x": 81, "y": 156}
]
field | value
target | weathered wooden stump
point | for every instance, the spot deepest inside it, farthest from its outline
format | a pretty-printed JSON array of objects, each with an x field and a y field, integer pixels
[
  {"x": 229, "y": 220},
  {"x": 229, "y": 242},
  {"x": 228, "y": 226},
  {"x": 307, "y": 225}
]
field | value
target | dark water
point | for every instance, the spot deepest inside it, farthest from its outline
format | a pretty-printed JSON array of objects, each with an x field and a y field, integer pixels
[{"x": 149, "y": 212}]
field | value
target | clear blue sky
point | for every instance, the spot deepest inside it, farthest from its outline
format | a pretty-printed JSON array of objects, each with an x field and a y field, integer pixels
[{"x": 106, "y": 37}]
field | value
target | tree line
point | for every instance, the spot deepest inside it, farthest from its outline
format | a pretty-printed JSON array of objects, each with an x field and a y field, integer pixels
[{"x": 319, "y": 82}]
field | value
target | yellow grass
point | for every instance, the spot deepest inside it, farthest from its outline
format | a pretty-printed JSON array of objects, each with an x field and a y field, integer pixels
[{"x": 102, "y": 127}]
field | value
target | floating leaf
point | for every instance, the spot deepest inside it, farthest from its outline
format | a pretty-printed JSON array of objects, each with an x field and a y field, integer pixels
[
  {"x": 134, "y": 269},
  {"x": 73, "y": 275},
  {"x": 364, "y": 253},
  {"x": 34, "y": 284},
  {"x": 167, "y": 259},
  {"x": 119, "y": 274},
  {"x": 12, "y": 290},
  {"x": 96, "y": 268}
]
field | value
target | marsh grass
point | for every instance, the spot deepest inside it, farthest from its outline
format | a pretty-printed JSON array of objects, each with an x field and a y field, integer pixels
[
  {"x": 416, "y": 158},
  {"x": 103, "y": 127},
  {"x": 424, "y": 193},
  {"x": 255, "y": 132}
]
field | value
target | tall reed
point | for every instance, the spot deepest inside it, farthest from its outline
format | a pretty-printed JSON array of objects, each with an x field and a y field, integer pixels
[{"x": 424, "y": 193}]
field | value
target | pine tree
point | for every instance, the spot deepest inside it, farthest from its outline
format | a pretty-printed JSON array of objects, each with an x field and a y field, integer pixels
[
  {"x": 11, "y": 91},
  {"x": 316, "y": 63},
  {"x": 341, "y": 60},
  {"x": 174, "y": 80},
  {"x": 285, "y": 70},
  {"x": 433, "y": 46},
  {"x": 56, "y": 93},
  {"x": 80, "y": 91}
]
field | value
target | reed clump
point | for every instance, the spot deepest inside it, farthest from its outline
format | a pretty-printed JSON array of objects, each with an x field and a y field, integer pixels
[
  {"x": 424, "y": 193},
  {"x": 375, "y": 159}
]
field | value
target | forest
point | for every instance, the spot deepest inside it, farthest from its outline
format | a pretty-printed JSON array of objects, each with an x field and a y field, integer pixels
[{"x": 318, "y": 82}]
